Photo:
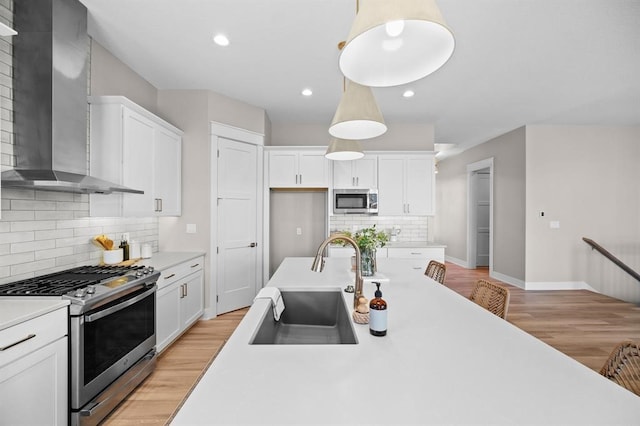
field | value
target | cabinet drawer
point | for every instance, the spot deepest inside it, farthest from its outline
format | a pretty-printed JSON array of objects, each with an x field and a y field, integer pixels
[
  {"x": 44, "y": 329},
  {"x": 177, "y": 272},
  {"x": 423, "y": 253}
]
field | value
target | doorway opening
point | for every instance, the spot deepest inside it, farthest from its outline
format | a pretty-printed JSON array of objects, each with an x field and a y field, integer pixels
[{"x": 480, "y": 214}]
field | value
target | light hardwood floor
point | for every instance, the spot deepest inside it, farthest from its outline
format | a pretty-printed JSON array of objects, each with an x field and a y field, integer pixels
[{"x": 583, "y": 325}]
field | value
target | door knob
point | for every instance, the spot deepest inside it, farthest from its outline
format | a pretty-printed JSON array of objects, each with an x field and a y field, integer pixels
[{"x": 253, "y": 245}]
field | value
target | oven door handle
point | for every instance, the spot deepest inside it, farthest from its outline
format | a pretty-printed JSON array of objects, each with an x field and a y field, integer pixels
[{"x": 101, "y": 314}]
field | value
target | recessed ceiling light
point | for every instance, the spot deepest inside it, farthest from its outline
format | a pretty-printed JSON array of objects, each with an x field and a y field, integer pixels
[
  {"x": 221, "y": 40},
  {"x": 408, "y": 93},
  {"x": 307, "y": 92}
]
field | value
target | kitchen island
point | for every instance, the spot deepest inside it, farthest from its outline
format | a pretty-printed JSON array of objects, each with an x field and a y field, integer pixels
[{"x": 444, "y": 360}]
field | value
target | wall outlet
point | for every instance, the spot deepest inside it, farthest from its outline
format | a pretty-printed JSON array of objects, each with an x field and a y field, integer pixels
[
  {"x": 298, "y": 231},
  {"x": 125, "y": 236},
  {"x": 191, "y": 228},
  {"x": 554, "y": 224}
]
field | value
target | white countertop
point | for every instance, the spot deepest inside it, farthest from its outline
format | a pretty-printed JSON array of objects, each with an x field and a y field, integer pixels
[
  {"x": 166, "y": 259},
  {"x": 15, "y": 310},
  {"x": 444, "y": 360}
]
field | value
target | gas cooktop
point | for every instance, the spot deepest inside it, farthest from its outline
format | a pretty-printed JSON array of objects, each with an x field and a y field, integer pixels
[{"x": 60, "y": 283}]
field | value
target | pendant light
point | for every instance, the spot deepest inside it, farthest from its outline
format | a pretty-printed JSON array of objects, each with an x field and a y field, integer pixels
[
  {"x": 342, "y": 150},
  {"x": 394, "y": 42},
  {"x": 358, "y": 115}
]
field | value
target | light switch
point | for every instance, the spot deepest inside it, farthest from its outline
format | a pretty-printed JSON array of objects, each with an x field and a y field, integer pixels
[
  {"x": 298, "y": 231},
  {"x": 191, "y": 228},
  {"x": 554, "y": 224}
]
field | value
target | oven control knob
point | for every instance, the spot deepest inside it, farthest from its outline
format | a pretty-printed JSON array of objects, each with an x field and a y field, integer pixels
[
  {"x": 150, "y": 269},
  {"x": 91, "y": 289},
  {"x": 138, "y": 274},
  {"x": 81, "y": 292}
]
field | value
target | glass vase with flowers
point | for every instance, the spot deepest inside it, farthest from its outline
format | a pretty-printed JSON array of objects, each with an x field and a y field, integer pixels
[{"x": 369, "y": 240}]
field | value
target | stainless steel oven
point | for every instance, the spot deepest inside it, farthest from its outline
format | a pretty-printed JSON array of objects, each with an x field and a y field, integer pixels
[
  {"x": 112, "y": 335},
  {"x": 107, "y": 341}
]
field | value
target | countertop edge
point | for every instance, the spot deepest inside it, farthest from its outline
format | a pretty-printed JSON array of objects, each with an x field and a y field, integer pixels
[
  {"x": 167, "y": 259},
  {"x": 18, "y": 310}
]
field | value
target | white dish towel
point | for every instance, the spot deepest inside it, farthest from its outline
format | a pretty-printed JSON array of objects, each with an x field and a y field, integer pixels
[{"x": 277, "y": 303}]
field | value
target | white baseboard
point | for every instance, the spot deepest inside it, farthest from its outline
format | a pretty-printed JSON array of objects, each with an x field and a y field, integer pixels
[
  {"x": 208, "y": 314},
  {"x": 507, "y": 279},
  {"x": 559, "y": 285},
  {"x": 457, "y": 261}
]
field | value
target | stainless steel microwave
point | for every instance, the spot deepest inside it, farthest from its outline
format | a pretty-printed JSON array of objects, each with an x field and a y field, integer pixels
[{"x": 355, "y": 201}]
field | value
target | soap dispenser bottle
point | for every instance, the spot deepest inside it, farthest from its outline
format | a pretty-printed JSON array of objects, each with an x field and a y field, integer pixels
[{"x": 378, "y": 314}]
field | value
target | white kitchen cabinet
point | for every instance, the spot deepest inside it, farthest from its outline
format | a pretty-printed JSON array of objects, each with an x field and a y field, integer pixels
[
  {"x": 406, "y": 185},
  {"x": 34, "y": 371},
  {"x": 132, "y": 147},
  {"x": 303, "y": 169},
  {"x": 362, "y": 173},
  {"x": 419, "y": 255},
  {"x": 167, "y": 187},
  {"x": 179, "y": 301}
]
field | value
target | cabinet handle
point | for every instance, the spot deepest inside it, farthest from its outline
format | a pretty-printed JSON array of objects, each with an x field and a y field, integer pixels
[
  {"x": 10, "y": 345},
  {"x": 253, "y": 245},
  {"x": 195, "y": 265},
  {"x": 160, "y": 201},
  {"x": 353, "y": 181},
  {"x": 169, "y": 276},
  {"x": 186, "y": 289},
  {"x": 296, "y": 179},
  {"x": 408, "y": 208},
  {"x": 357, "y": 181},
  {"x": 300, "y": 178},
  {"x": 416, "y": 254}
]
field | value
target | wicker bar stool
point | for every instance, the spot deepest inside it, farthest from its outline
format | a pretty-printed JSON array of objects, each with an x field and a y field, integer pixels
[
  {"x": 436, "y": 271},
  {"x": 492, "y": 297},
  {"x": 623, "y": 366}
]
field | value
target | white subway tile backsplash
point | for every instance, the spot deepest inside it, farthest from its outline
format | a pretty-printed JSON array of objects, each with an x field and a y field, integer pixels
[
  {"x": 33, "y": 268},
  {"x": 32, "y": 225},
  {"x": 17, "y": 258},
  {"x": 32, "y": 246},
  {"x": 32, "y": 205},
  {"x": 412, "y": 228},
  {"x": 51, "y": 215},
  {"x": 52, "y": 253}
]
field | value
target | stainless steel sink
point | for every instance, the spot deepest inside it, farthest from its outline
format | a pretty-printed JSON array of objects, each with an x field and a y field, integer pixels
[{"x": 309, "y": 318}]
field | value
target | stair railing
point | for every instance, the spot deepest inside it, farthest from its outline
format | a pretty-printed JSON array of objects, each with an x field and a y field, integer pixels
[{"x": 612, "y": 258}]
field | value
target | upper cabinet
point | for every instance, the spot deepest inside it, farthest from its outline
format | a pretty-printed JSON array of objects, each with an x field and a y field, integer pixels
[
  {"x": 298, "y": 168},
  {"x": 406, "y": 185},
  {"x": 132, "y": 147},
  {"x": 362, "y": 173}
]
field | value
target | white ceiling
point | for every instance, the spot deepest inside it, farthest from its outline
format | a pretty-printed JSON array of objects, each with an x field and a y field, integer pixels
[{"x": 516, "y": 62}]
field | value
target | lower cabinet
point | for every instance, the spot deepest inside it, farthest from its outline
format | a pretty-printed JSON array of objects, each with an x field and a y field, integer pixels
[
  {"x": 179, "y": 301},
  {"x": 420, "y": 256},
  {"x": 34, "y": 372}
]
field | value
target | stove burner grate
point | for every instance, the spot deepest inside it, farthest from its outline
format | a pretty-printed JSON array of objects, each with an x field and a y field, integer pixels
[{"x": 59, "y": 283}]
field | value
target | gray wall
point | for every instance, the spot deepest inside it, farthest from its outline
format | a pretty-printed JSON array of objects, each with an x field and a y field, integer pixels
[
  {"x": 508, "y": 152},
  {"x": 399, "y": 136},
  {"x": 111, "y": 77},
  {"x": 586, "y": 178}
]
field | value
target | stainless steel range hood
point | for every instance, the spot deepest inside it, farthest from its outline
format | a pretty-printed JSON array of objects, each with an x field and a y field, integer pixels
[{"x": 50, "y": 99}]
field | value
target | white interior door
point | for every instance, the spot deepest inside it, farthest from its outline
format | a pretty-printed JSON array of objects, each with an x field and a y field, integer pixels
[{"x": 237, "y": 254}]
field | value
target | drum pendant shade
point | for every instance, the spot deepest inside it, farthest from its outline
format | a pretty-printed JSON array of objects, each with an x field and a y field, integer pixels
[
  {"x": 342, "y": 150},
  {"x": 358, "y": 115},
  {"x": 394, "y": 42}
]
